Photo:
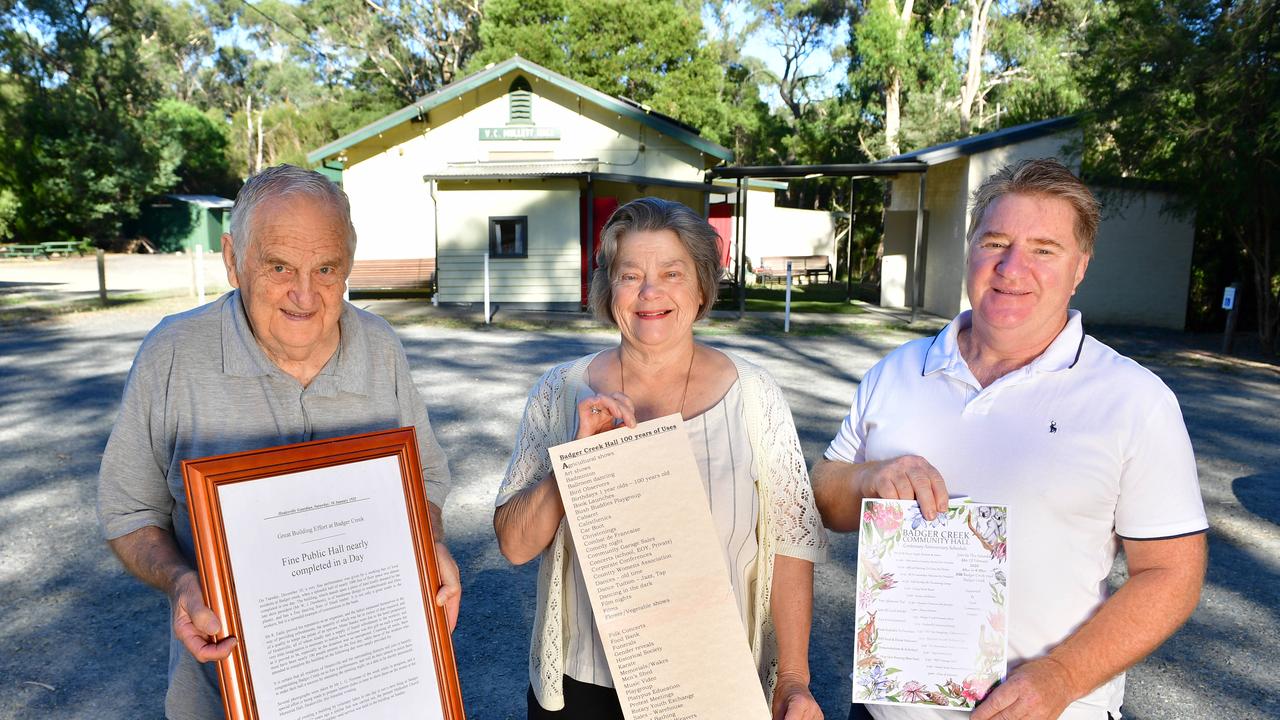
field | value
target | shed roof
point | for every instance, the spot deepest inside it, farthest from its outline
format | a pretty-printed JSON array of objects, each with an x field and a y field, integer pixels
[
  {"x": 204, "y": 201},
  {"x": 626, "y": 108},
  {"x": 987, "y": 141}
]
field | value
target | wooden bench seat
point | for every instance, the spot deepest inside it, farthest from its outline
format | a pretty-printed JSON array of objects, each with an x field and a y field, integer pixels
[
  {"x": 411, "y": 274},
  {"x": 809, "y": 267}
]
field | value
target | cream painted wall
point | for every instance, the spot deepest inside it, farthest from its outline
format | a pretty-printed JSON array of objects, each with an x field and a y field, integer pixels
[
  {"x": 1140, "y": 273},
  {"x": 1141, "y": 269},
  {"x": 391, "y": 209},
  {"x": 790, "y": 231},
  {"x": 550, "y": 274},
  {"x": 946, "y": 192}
]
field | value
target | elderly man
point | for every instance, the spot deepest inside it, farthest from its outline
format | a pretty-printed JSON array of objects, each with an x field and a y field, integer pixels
[
  {"x": 1013, "y": 403},
  {"x": 279, "y": 359}
]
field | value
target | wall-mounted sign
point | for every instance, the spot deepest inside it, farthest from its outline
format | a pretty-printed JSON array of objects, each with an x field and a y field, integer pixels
[{"x": 520, "y": 132}]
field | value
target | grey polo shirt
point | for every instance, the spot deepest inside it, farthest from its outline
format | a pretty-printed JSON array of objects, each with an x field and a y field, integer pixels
[{"x": 200, "y": 386}]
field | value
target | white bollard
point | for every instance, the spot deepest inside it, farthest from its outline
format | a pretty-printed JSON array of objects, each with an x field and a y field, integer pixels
[
  {"x": 786, "y": 322},
  {"x": 486, "y": 288}
]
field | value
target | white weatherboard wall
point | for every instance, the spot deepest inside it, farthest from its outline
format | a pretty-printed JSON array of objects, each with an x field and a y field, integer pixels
[
  {"x": 1141, "y": 269},
  {"x": 550, "y": 273}
]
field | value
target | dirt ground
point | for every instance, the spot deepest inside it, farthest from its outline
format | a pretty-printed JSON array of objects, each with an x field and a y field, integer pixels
[{"x": 81, "y": 639}]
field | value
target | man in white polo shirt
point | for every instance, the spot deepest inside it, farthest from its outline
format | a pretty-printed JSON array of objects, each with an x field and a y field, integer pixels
[{"x": 1013, "y": 403}]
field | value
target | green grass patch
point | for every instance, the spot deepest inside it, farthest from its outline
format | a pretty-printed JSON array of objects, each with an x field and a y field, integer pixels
[{"x": 818, "y": 298}]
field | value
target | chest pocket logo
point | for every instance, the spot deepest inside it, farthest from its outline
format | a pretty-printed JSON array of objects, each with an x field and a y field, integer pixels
[{"x": 1053, "y": 426}]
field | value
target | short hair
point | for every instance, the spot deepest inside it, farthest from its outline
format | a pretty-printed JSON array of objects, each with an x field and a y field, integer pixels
[
  {"x": 279, "y": 182},
  {"x": 1046, "y": 177},
  {"x": 651, "y": 214}
]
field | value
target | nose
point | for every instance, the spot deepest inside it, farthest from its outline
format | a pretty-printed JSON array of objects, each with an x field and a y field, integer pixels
[
  {"x": 648, "y": 289},
  {"x": 303, "y": 292},
  {"x": 1012, "y": 262}
]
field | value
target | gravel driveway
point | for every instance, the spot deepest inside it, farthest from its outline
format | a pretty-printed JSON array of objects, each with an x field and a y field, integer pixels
[{"x": 81, "y": 639}]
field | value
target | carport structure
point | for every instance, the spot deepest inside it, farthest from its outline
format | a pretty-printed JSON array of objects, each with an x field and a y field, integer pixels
[{"x": 852, "y": 171}]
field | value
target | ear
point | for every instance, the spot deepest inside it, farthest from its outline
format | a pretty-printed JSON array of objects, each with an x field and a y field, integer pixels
[
  {"x": 1080, "y": 268},
  {"x": 229, "y": 260}
]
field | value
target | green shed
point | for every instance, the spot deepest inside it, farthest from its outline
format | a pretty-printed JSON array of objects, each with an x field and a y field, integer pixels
[{"x": 181, "y": 222}]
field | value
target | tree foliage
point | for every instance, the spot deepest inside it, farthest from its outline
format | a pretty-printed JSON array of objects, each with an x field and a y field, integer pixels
[
  {"x": 75, "y": 147},
  {"x": 1189, "y": 93}
]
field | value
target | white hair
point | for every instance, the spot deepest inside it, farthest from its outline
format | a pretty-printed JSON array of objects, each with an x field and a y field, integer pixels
[{"x": 278, "y": 182}]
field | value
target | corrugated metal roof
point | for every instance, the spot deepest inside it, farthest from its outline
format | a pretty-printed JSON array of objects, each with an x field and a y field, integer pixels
[
  {"x": 523, "y": 168},
  {"x": 986, "y": 141},
  {"x": 204, "y": 201}
]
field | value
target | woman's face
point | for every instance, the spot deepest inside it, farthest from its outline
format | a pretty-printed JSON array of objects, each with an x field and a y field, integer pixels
[{"x": 656, "y": 295}]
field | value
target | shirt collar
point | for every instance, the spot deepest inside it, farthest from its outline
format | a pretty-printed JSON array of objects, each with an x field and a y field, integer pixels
[
  {"x": 1062, "y": 354},
  {"x": 347, "y": 371}
]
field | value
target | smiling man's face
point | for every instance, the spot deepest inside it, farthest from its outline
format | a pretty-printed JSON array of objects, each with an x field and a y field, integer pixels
[
  {"x": 293, "y": 277},
  {"x": 1023, "y": 267}
]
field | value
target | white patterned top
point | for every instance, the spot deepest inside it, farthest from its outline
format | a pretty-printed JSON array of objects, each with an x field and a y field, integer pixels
[{"x": 790, "y": 524}]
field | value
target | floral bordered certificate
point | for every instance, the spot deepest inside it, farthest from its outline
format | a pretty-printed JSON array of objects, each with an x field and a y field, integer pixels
[{"x": 932, "y": 604}]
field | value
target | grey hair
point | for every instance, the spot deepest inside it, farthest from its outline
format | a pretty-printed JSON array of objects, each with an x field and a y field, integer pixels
[
  {"x": 284, "y": 181},
  {"x": 1046, "y": 177},
  {"x": 651, "y": 214}
]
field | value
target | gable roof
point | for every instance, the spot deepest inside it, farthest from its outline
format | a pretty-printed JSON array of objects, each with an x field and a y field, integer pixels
[
  {"x": 626, "y": 108},
  {"x": 986, "y": 141}
]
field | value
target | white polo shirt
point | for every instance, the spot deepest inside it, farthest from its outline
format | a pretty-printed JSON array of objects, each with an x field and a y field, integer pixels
[{"x": 1083, "y": 444}]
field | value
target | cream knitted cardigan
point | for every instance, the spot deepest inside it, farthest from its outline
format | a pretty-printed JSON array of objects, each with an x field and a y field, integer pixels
[{"x": 782, "y": 485}]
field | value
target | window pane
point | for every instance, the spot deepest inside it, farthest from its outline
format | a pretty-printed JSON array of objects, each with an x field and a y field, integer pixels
[{"x": 509, "y": 237}]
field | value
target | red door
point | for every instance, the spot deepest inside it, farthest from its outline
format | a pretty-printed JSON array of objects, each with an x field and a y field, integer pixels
[
  {"x": 722, "y": 220},
  {"x": 590, "y": 243}
]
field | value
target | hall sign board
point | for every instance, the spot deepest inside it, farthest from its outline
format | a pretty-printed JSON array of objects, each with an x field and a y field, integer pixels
[{"x": 520, "y": 132}]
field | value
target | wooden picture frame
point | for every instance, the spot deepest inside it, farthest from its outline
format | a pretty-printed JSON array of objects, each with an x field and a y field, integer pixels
[{"x": 315, "y": 482}]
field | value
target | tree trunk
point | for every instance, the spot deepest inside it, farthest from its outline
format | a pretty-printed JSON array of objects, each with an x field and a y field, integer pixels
[
  {"x": 1268, "y": 303},
  {"x": 893, "y": 90},
  {"x": 892, "y": 112},
  {"x": 248, "y": 133},
  {"x": 979, "y": 12},
  {"x": 258, "y": 160}
]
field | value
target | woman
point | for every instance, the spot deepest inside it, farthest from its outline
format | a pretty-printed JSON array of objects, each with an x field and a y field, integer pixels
[{"x": 659, "y": 272}]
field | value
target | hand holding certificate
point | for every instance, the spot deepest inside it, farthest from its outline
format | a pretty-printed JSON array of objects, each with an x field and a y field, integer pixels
[
  {"x": 932, "y": 604},
  {"x": 319, "y": 558},
  {"x": 658, "y": 584}
]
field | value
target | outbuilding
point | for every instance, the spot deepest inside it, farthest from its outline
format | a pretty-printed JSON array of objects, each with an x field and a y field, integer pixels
[
  {"x": 182, "y": 222},
  {"x": 1141, "y": 268}
]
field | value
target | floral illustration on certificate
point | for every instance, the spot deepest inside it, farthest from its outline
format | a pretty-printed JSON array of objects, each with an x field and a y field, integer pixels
[{"x": 932, "y": 604}]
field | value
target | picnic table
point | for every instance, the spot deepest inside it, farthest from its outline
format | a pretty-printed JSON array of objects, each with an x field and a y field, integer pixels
[
  {"x": 22, "y": 251},
  {"x": 63, "y": 247}
]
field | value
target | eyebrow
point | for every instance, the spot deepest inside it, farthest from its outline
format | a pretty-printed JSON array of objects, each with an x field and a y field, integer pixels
[{"x": 990, "y": 235}]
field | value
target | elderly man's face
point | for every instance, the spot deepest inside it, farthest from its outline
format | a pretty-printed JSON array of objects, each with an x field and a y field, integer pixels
[
  {"x": 1023, "y": 268},
  {"x": 293, "y": 278}
]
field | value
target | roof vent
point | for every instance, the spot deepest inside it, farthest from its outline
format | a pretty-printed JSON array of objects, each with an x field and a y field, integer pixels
[{"x": 520, "y": 102}]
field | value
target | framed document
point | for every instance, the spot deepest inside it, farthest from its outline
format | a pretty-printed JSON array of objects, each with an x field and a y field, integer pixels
[
  {"x": 932, "y": 604},
  {"x": 319, "y": 558}
]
